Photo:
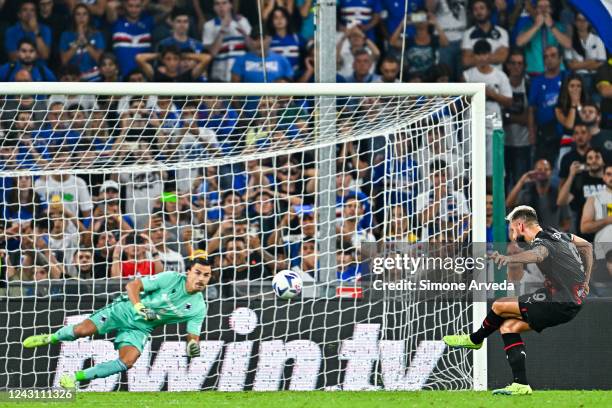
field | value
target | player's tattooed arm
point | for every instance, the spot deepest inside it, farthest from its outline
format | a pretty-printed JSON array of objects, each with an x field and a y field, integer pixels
[{"x": 535, "y": 255}]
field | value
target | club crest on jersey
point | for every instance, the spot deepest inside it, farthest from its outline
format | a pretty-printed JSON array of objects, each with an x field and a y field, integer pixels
[{"x": 188, "y": 306}]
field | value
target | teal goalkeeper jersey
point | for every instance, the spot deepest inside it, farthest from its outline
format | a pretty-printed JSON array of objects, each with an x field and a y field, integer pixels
[{"x": 164, "y": 293}]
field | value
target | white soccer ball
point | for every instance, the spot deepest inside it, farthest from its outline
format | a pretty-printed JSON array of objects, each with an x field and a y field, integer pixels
[{"x": 287, "y": 284}]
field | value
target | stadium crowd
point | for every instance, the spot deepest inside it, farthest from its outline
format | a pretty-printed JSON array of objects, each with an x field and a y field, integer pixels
[{"x": 548, "y": 79}]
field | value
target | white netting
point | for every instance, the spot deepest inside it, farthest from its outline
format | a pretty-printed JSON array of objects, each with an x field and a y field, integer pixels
[{"x": 97, "y": 190}]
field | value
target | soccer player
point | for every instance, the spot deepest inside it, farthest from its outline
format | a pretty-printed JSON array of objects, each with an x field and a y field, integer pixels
[
  {"x": 156, "y": 300},
  {"x": 565, "y": 261}
]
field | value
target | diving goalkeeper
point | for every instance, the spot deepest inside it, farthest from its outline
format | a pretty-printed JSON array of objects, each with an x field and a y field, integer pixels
[{"x": 156, "y": 300}]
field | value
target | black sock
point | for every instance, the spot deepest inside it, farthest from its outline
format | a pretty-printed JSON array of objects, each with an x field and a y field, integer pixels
[
  {"x": 489, "y": 325},
  {"x": 515, "y": 353}
]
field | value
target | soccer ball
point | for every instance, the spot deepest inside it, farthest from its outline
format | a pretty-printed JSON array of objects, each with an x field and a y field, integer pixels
[{"x": 287, "y": 284}]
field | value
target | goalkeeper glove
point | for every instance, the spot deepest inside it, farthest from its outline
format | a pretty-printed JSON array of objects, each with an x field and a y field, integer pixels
[
  {"x": 145, "y": 313},
  {"x": 193, "y": 348}
]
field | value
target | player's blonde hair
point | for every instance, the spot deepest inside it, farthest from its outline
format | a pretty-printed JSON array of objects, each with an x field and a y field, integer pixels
[{"x": 525, "y": 212}]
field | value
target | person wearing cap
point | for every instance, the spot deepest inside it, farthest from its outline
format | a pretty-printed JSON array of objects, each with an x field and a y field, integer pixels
[{"x": 109, "y": 190}]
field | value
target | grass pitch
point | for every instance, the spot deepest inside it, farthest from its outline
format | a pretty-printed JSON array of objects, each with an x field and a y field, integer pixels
[{"x": 321, "y": 399}]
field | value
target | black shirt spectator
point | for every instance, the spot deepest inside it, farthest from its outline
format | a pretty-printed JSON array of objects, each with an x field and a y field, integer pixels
[
  {"x": 582, "y": 182},
  {"x": 582, "y": 143}
]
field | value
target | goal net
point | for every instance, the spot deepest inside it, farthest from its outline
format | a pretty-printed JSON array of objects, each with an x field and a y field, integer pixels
[{"x": 100, "y": 187}]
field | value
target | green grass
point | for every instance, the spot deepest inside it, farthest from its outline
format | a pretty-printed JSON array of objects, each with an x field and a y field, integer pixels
[{"x": 320, "y": 399}]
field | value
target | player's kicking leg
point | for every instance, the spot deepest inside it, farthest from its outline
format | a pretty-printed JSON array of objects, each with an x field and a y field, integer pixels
[
  {"x": 501, "y": 310},
  {"x": 504, "y": 315}
]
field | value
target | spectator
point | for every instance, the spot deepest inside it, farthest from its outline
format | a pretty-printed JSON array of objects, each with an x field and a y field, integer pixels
[
  {"x": 238, "y": 261},
  {"x": 443, "y": 211},
  {"x": 176, "y": 217},
  {"x": 269, "y": 6},
  {"x": 83, "y": 46},
  {"x": 543, "y": 97},
  {"x": 439, "y": 145},
  {"x": 601, "y": 278},
  {"x": 587, "y": 53},
  {"x": 400, "y": 225},
  {"x": 27, "y": 60},
  {"x": 601, "y": 139},
  {"x": 348, "y": 226},
  {"x": 107, "y": 216},
  {"x": 364, "y": 14},
  {"x": 17, "y": 151},
  {"x": 104, "y": 246},
  {"x": 54, "y": 135},
  {"x": 421, "y": 50},
  {"x": 265, "y": 129},
  {"x": 284, "y": 41},
  {"x": 583, "y": 181},
  {"x": 452, "y": 15},
  {"x": 389, "y": 70},
  {"x": 498, "y": 91},
  {"x": 582, "y": 144},
  {"x": 136, "y": 75},
  {"x": 169, "y": 68},
  {"x": 131, "y": 34},
  {"x": 393, "y": 15},
  {"x": 306, "y": 10},
  {"x": 249, "y": 67},
  {"x": 225, "y": 39},
  {"x": 571, "y": 99},
  {"x": 109, "y": 70},
  {"x": 109, "y": 190},
  {"x": 233, "y": 206},
  {"x": 20, "y": 203},
  {"x": 62, "y": 239},
  {"x": 180, "y": 34},
  {"x": 349, "y": 269},
  {"x": 171, "y": 260},
  {"x": 68, "y": 189},
  {"x": 351, "y": 41},
  {"x": 81, "y": 265},
  {"x": 484, "y": 29},
  {"x": 535, "y": 189},
  {"x": 142, "y": 188},
  {"x": 543, "y": 33},
  {"x": 194, "y": 142},
  {"x": 517, "y": 153},
  {"x": 603, "y": 83},
  {"x": 597, "y": 217},
  {"x": 57, "y": 18},
  {"x": 362, "y": 68},
  {"x": 307, "y": 265},
  {"x": 130, "y": 257},
  {"x": 263, "y": 216},
  {"x": 28, "y": 27}
]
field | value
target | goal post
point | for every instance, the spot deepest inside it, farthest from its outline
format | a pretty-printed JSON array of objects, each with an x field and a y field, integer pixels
[{"x": 270, "y": 156}]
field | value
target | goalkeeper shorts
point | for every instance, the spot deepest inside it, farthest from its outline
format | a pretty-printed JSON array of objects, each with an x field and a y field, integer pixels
[{"x": 107, "y": 320}]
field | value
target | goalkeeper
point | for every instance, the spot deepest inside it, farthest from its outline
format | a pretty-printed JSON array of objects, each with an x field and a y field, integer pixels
[{"x": 156, "y": 300}]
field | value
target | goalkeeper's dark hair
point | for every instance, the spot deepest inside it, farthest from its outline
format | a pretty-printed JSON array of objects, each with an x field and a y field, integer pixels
[
  {"x": 198, "y": 257},
  {"x": 525, "y": 213}
]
